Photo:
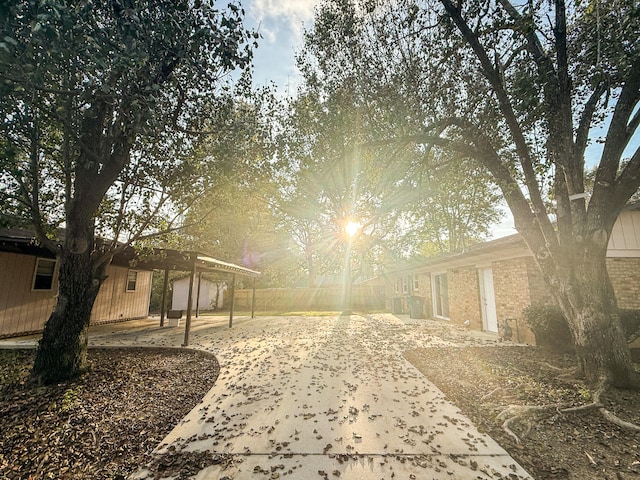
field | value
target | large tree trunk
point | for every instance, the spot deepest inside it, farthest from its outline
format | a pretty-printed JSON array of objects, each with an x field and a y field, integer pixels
[
  {"x": 583, "y": 290},
  {"x": 62, "y": 351}
]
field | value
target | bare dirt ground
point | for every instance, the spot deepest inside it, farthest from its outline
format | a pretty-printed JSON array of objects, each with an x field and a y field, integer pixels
[
  {"x": 103, "y": 425},
  {"x": 485, "y": 381}
]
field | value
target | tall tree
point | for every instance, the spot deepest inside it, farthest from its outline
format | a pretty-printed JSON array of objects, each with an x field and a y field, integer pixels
[
  {"x": 418, "y": 191},
  {"x": 98, "y": 101},
  {"x": 521, "y": 89},
  {"x": 329, "y": 181},
  {"x": 235, "y": 220}
]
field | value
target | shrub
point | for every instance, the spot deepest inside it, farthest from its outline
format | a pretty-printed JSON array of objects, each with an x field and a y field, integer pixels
[
  {"x": 549, "y": 327},
  {"x": 551, "y": 330},
  {"x": 630, "y": 320}
]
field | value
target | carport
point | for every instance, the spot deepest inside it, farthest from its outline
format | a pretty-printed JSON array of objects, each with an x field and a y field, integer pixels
[{"x": 193, "y": 262}]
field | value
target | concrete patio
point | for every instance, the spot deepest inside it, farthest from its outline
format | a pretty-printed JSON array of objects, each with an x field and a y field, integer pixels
[{"x": 321, "y": 397}]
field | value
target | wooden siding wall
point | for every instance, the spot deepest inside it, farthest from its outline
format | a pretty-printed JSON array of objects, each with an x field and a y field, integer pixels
[
  {"x": 208, "y": 293},
  {"x": 115, "y": 303},
  {"x": 21, "y": 308},
  {"x": 25, "y": 310},
  {"x": 625, "y": 236}
]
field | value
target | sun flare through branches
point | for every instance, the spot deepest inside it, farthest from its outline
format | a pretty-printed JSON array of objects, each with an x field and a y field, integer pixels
[{"x": 352, "y": 228}]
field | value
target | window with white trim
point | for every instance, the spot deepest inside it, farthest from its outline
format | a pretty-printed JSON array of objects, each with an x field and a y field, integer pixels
[
  {"x": 405, "y": 285},
  {"x": 43, "y": 274},
  {"x": 132, "y": 280},
  {"x": 416, "y": 282}
]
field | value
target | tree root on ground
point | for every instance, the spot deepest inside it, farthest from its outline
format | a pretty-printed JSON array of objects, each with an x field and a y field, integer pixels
[
  {"x": 514, "y": 413},
  {"x": 495, "y": 390}
]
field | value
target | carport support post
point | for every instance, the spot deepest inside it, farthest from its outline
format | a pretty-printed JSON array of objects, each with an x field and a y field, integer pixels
[
  {"x": 187, "y": 325},
  {"x": 253, "y": 299},
  {"x": 198, "y": 295},
  {"x": 163, "y": 303},
  {"x": 233, "y": 298}
]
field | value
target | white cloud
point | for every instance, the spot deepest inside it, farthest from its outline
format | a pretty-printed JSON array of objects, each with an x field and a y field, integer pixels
[{"x": 269, "y": 14}]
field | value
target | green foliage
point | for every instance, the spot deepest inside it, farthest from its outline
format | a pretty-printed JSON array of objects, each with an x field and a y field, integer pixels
[
  {"x": 70, "y": 399},
  {"x": 549, "y": 327},
  {"x": 102, "y": 103},
  {"x": 521, "y": 88},
  {"x": 360, "y": 88},
  {"x": 584, "y": 392}
]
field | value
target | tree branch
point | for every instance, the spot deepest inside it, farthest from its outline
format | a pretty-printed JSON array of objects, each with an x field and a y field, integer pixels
[
  {"x": 628, "y": 180},
  {"x": 494, "y": 78},
  {"x": 621, "y": 129},
  {"x": 584, "y": 125}
]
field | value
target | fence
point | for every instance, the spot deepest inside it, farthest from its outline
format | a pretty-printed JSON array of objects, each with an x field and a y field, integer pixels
[{"x": 305, "y": 299}]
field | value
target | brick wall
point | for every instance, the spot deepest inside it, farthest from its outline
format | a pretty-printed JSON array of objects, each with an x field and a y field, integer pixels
[
  {"x": 510, "y": 282},
  {"x": 539, "y": 290},
  {"x": 464, "y": 296},
  {"x": 625, "y": 277},
  {"x": 513, "y": 294}
]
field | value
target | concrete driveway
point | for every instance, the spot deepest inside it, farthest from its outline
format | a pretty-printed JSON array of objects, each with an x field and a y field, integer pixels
[{"x": 319, "y": 397}]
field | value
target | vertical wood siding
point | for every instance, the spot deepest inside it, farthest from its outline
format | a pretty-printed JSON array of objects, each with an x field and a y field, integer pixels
[
  {"x": 25, "y": 310},
  {"x": 625, "y": 236},
  {"x": 115, "y": 303},
  {"x": 21, "y": 309}
]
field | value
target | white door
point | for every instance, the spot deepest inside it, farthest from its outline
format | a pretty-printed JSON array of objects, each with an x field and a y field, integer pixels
[{"x": 488, "y": 300}]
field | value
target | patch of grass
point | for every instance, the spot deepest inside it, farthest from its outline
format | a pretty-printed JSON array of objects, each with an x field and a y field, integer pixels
[{"x": 71, "y": 398}]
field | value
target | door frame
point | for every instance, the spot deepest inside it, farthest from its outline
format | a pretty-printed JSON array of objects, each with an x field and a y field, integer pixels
[{"x": 487, "y": 300}]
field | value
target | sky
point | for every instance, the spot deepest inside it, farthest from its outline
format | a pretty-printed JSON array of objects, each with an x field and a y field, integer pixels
[{"x": 281, "y": 24}]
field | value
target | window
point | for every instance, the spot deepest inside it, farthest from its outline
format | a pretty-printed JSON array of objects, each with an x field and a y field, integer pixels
[
  {"x": 440, "y": 295},
  {"x": 396, "y": 285},
  {"x": 405, "y": 285},
  {"x": 43, "y": 275},
  {"x": 132, "y": 279},
  {"x": 416, "y": 282}
]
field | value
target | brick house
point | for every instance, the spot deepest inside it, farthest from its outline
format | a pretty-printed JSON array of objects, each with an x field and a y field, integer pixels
[{"x": 497, "y": 280}]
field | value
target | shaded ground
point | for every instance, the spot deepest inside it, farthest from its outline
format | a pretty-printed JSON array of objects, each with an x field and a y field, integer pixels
[
  {"x": 483, "y": 381},
  {"x": 103, "y": 425}
]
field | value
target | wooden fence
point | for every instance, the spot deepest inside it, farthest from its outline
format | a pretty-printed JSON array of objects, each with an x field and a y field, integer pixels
[{"x": 311, "y": 299}]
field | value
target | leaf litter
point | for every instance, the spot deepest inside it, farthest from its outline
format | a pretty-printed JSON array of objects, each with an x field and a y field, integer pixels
[{"x": 103, "y": 425}]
